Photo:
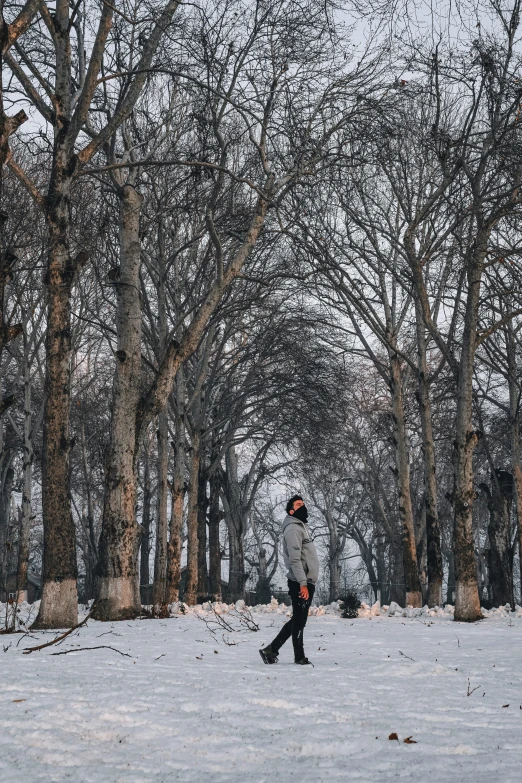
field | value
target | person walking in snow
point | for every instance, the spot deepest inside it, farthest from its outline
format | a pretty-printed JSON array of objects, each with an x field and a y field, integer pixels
[{"x": 301, "y": 560}]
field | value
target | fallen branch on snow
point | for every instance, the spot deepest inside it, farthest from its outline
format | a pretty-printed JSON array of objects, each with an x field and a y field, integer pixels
[
  {"x": 60, "y": 637},
  {"x": 98, "y": 647}
]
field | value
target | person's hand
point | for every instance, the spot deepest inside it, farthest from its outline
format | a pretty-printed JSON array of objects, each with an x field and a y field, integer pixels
[{"x": 303, "y": 593}]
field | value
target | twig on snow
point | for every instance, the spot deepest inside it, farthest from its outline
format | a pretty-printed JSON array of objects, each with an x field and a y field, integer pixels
[
  {"x": 246, "y": 619},
  {"x": 60, "y": 637},
  {"x": 229, "y": 643},
  {"x": 216, "y": 622},
  {"x": 27, "y": 633},
  {"x": 98, "y": 647},
  {"x": 472, "y": 690}
]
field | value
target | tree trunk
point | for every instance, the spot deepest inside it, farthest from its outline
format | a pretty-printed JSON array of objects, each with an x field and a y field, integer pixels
[
  {"x": 334, "y": 553},
  {"x": 202, "y": 536},
  {"x": 411, "y": 572},
  {"x": 27, "y": 486},
  {"x": 214, "y": 517},
  {"x": 234, "y": 520},
  {"x": 396, "y": 578},
  {"x": 434, "y": 556},
  {"x": 467, "y": 602},
  {"x": 367, "y": 557},
  {"x": 191, "y": 584},
  {"x": 514, "y": 422},
  {"x": 178, "y": 495},
  {"x": 421, "y": 547},
  {"x": 145, "y": 523},
  {"x": 6, "y": 489},
  {"x": 499, "y": 558},
  {"x": 385, "y": 534},
  {"x": 160, "y": 559},
  {"x": 262, "y": 593},
  {"x": 380, "y": 564},
  {"x": 89, "y": 584},
  {"x": 335, "y": 567},
  {"x": 3, "y": 524},
  {"x": 118, "y": 584},
  {"x": 59, "y": 604},
  {"x": 236, "y": 582},
  {"x": 452, "y": 585},
  {"x": 89, "y": 543}
]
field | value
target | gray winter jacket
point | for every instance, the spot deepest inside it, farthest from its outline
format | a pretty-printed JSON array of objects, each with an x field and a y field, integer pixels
[{"x": 299, "y": 552}]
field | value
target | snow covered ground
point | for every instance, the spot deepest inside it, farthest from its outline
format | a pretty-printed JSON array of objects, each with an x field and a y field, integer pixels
[{"x": 185, "y": 706}]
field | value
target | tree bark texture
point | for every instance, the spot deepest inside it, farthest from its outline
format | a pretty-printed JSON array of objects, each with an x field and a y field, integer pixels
[
  {"x": 59, "y": 604},
  {"x": 514, "y": 423},
  {"x": 235, "y": 526},
  {"x": 467, "y": 602},
  {"x": 118, "y": 583},
  {"x": 145, "y": 523},
  {"x": 381, "y": 569},
  {"x": 334, "y": 561},
  {"x": 499, "y": 529},
  {"x": 214, "y": 548},
  {"x": 434, "y": 556},
  {"x": 396, "y": 577},
  {"x": 191, "y": 584},
  {"x": 178, "y": 494},
  {"x": 236, "y": 584},
  {"x": 6, "y": 490},
  {"x": 202, "y": 536},
  {"x": 89, "y": 539},
  {"x": 197, "y": 501},
  {"x": 452, "y": 584},
  {"x": 411, "y": 572},
  {"x": 419, "y": 518},
  {"x": 27, "y": 477},
  {"x": 160, "y": 559}
]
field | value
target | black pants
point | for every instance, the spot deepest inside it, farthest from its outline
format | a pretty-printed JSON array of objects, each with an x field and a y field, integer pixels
[{"x": 295, "y": 626}]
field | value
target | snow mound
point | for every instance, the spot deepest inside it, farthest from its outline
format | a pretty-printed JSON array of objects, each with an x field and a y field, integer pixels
[
  {"x": 26, "y": 613},
  {"x": 335, "y": 608},
  {"x": 274, "y": 607}
]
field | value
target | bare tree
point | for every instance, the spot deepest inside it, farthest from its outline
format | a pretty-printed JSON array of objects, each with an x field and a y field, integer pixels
[{"x": 66, "y": 106}]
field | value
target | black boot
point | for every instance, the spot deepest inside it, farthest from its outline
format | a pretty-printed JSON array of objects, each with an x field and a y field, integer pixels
[
  {"x": 304, "y": 662},
  {"x": 268, "y": 655}
]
